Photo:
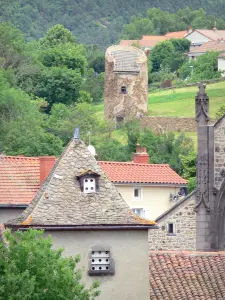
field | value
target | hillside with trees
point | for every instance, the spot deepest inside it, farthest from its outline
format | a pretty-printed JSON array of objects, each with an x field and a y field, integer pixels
[{"x": 101, "y": 21}]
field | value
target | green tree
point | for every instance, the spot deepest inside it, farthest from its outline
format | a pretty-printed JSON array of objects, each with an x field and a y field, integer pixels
[
  {"x": 30, "y": 269},
  {"x": 220, "y": 112},
  {"x": 94, "y": 85},
  {"x": 113, "y": 150},
  {"x": 58, "y": 84},
  {"x": 206, "y": 67},
  {"x": 138, "y": 26},
  {"x": 189, "y": 169},
  {"x": 56, "y": 35},
  {"x": 161, "y": 55},
  {"x": 63, "y": 119}
]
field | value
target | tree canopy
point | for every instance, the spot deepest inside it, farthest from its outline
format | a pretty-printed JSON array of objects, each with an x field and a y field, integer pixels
[{"x": 30, "y": 269}]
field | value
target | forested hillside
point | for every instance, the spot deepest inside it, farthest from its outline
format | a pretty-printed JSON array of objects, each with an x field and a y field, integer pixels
[{"x": 91, "y": 21}]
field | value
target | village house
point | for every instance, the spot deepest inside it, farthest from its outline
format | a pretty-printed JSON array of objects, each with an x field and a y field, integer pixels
[
  {"x": 218, "y": 46},
  {"x": 199, "y": 37},
  {"x": 84, "y": 213},
  {"x": 21, "y": 178},
  {"x": 149, "y": 189}
]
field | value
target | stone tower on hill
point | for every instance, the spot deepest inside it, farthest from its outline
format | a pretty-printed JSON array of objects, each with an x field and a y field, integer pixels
[{"x": 126, "y": 83}]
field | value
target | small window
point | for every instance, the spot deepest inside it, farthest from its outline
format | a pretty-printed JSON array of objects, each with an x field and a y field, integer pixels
[
  {"x": 123, "y": 90},
  {"x": 139, "y": 211},
  {"x": 137, "y": 193},
  {"x": 89, "y": 185},
  {"x": 101, "y": 261},
  {"x": 171, "y": 228},
  {"x": 119, "y": 119}
]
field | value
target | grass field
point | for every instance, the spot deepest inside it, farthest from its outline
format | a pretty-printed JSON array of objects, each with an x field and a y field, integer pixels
[{"x": 179, "y": 102}]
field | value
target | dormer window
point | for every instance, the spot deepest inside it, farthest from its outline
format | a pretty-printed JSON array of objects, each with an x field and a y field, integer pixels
[
  {"x": 89, "y": 182},
  {"x": 89, "y": 185}
]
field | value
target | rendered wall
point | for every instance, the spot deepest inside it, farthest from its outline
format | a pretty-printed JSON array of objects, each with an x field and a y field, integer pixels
[
  {"x": 130, "y": 252},
  {"x": 184, "y": 218},
  {"x": 9, "y": 213},
  {"x": 154, "y": 199},
  {"x": 196, "y": 37},
  {"x": 221, "y": 66},
  {"x": 133, "y": 104}
]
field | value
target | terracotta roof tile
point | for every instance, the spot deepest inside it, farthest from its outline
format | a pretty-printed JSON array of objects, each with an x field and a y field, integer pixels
[
  {"x": 187, "y": 275},
  {"x": 176, "y": 34},
  {"x": 19, "y": 179},
  {"x": 209, "y": 46},
  {"x": 128, "y": 172}
]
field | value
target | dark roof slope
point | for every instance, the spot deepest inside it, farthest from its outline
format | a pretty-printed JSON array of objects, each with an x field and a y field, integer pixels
[
  {"x": 187, "y": 275},
  {"x": 60, "y": 200}
]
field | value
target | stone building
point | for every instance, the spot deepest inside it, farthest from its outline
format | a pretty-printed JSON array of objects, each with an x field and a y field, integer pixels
[
  {"x": 86, "y": 215},
  {"x": 126, "y": 83},
  {"x": 198, "y": 221}
]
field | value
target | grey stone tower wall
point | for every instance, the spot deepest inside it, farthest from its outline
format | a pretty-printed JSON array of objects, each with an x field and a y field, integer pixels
[{"x": 133, "y": 104}]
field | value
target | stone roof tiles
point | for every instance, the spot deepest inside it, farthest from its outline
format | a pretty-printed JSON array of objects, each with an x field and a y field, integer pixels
[
  {"x": 19, "y": 179},
  {"x": 187, "y": 275},
  {"x": 129, "y": 172},
  {"x": 60, "y": 201}
]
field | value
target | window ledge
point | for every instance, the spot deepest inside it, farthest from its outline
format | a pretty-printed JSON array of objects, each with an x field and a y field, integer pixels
[{"x": 171, "y": 234}]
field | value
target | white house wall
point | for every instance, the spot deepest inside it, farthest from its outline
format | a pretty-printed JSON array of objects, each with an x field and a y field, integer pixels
[
  {"x": 197, "y": 38},
  {"x": 155, "y": 200},
  {"x": 221, "y": 65}
]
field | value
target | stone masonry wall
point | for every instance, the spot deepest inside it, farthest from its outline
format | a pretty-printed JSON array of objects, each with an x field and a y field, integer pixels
[
  {"x": 162, "y": 124},
  {"x": 134, "y": 103},
  {"x": 184, "y": 219},
  {"x": 219, "y": 152}
]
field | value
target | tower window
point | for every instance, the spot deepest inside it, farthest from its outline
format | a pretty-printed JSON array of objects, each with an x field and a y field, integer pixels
[
  {"x": 171, "y": 229},
  {"x": 123, "y": 90},
  {"x": 89, "y": 185}
]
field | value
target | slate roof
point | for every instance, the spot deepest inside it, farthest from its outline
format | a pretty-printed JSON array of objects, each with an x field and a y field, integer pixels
[
  {"x": 125, "y": 61},
  {"x": 19, "y": 179},
  {"x": 209, "y": 46},
  {"x": 187, "y": 275},
  {"x": 129, "y": 172},
  {"x": 60, "y": 201}
]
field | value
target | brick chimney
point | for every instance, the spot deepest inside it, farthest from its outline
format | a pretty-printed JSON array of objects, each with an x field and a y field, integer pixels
[
  {"x": 141, "y": 156},
  {"x": 46, "y": 164}
]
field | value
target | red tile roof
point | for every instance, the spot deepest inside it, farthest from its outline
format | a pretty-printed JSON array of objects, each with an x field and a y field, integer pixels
[
  {"x": 177, "y": 34},
  {"x": 187, "y": 275},
  {"x": 209, "y": 46},
  {"x": 19, "y": 179},
  {"x": 129, "y": 172}
]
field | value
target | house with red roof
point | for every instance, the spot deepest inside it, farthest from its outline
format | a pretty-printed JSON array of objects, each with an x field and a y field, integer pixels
[
  {"x": 149, "y": 189},
  {"x": 20, "y": 180}
]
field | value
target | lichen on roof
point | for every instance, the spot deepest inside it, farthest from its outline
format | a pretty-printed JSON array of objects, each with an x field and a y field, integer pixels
[{"x": 66, "y": 204}]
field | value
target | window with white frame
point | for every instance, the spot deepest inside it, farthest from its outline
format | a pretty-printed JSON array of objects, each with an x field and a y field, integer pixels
[
  {"x": 89, "y": 185},
  {"x": 139, "y": 211},
  {"x": 137, "y": 194}
]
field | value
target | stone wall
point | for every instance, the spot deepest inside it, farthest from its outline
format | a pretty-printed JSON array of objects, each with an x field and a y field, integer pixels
[
  {"x": 162, "y": 124},
  {"x": 133, "y": 103},
  {"x": 183, "y": 217},
  {"x": 219, "y": 152}
]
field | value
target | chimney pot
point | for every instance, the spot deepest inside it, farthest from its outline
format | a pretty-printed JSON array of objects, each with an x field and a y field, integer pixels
[{"x": 46, "y": 165}]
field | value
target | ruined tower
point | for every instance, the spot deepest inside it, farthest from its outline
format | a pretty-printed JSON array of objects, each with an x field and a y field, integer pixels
[{"x": 126, "y": 83}]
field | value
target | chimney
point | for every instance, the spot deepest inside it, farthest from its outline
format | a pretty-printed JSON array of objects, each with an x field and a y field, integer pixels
[
  {"x": 214, "y": 27},
  {"x": 46, "y": 164},
  {"x": 141, "y": 156},
  {"x": 190, "y": 29}
]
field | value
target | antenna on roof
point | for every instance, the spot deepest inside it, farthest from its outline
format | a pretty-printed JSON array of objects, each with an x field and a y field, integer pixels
[{"x": 76, "y": 134}]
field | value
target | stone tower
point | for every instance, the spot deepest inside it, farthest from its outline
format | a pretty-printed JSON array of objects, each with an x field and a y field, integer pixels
[
  {"x": 126, "y": 83},
  {"x": 210, "y": 192}
]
